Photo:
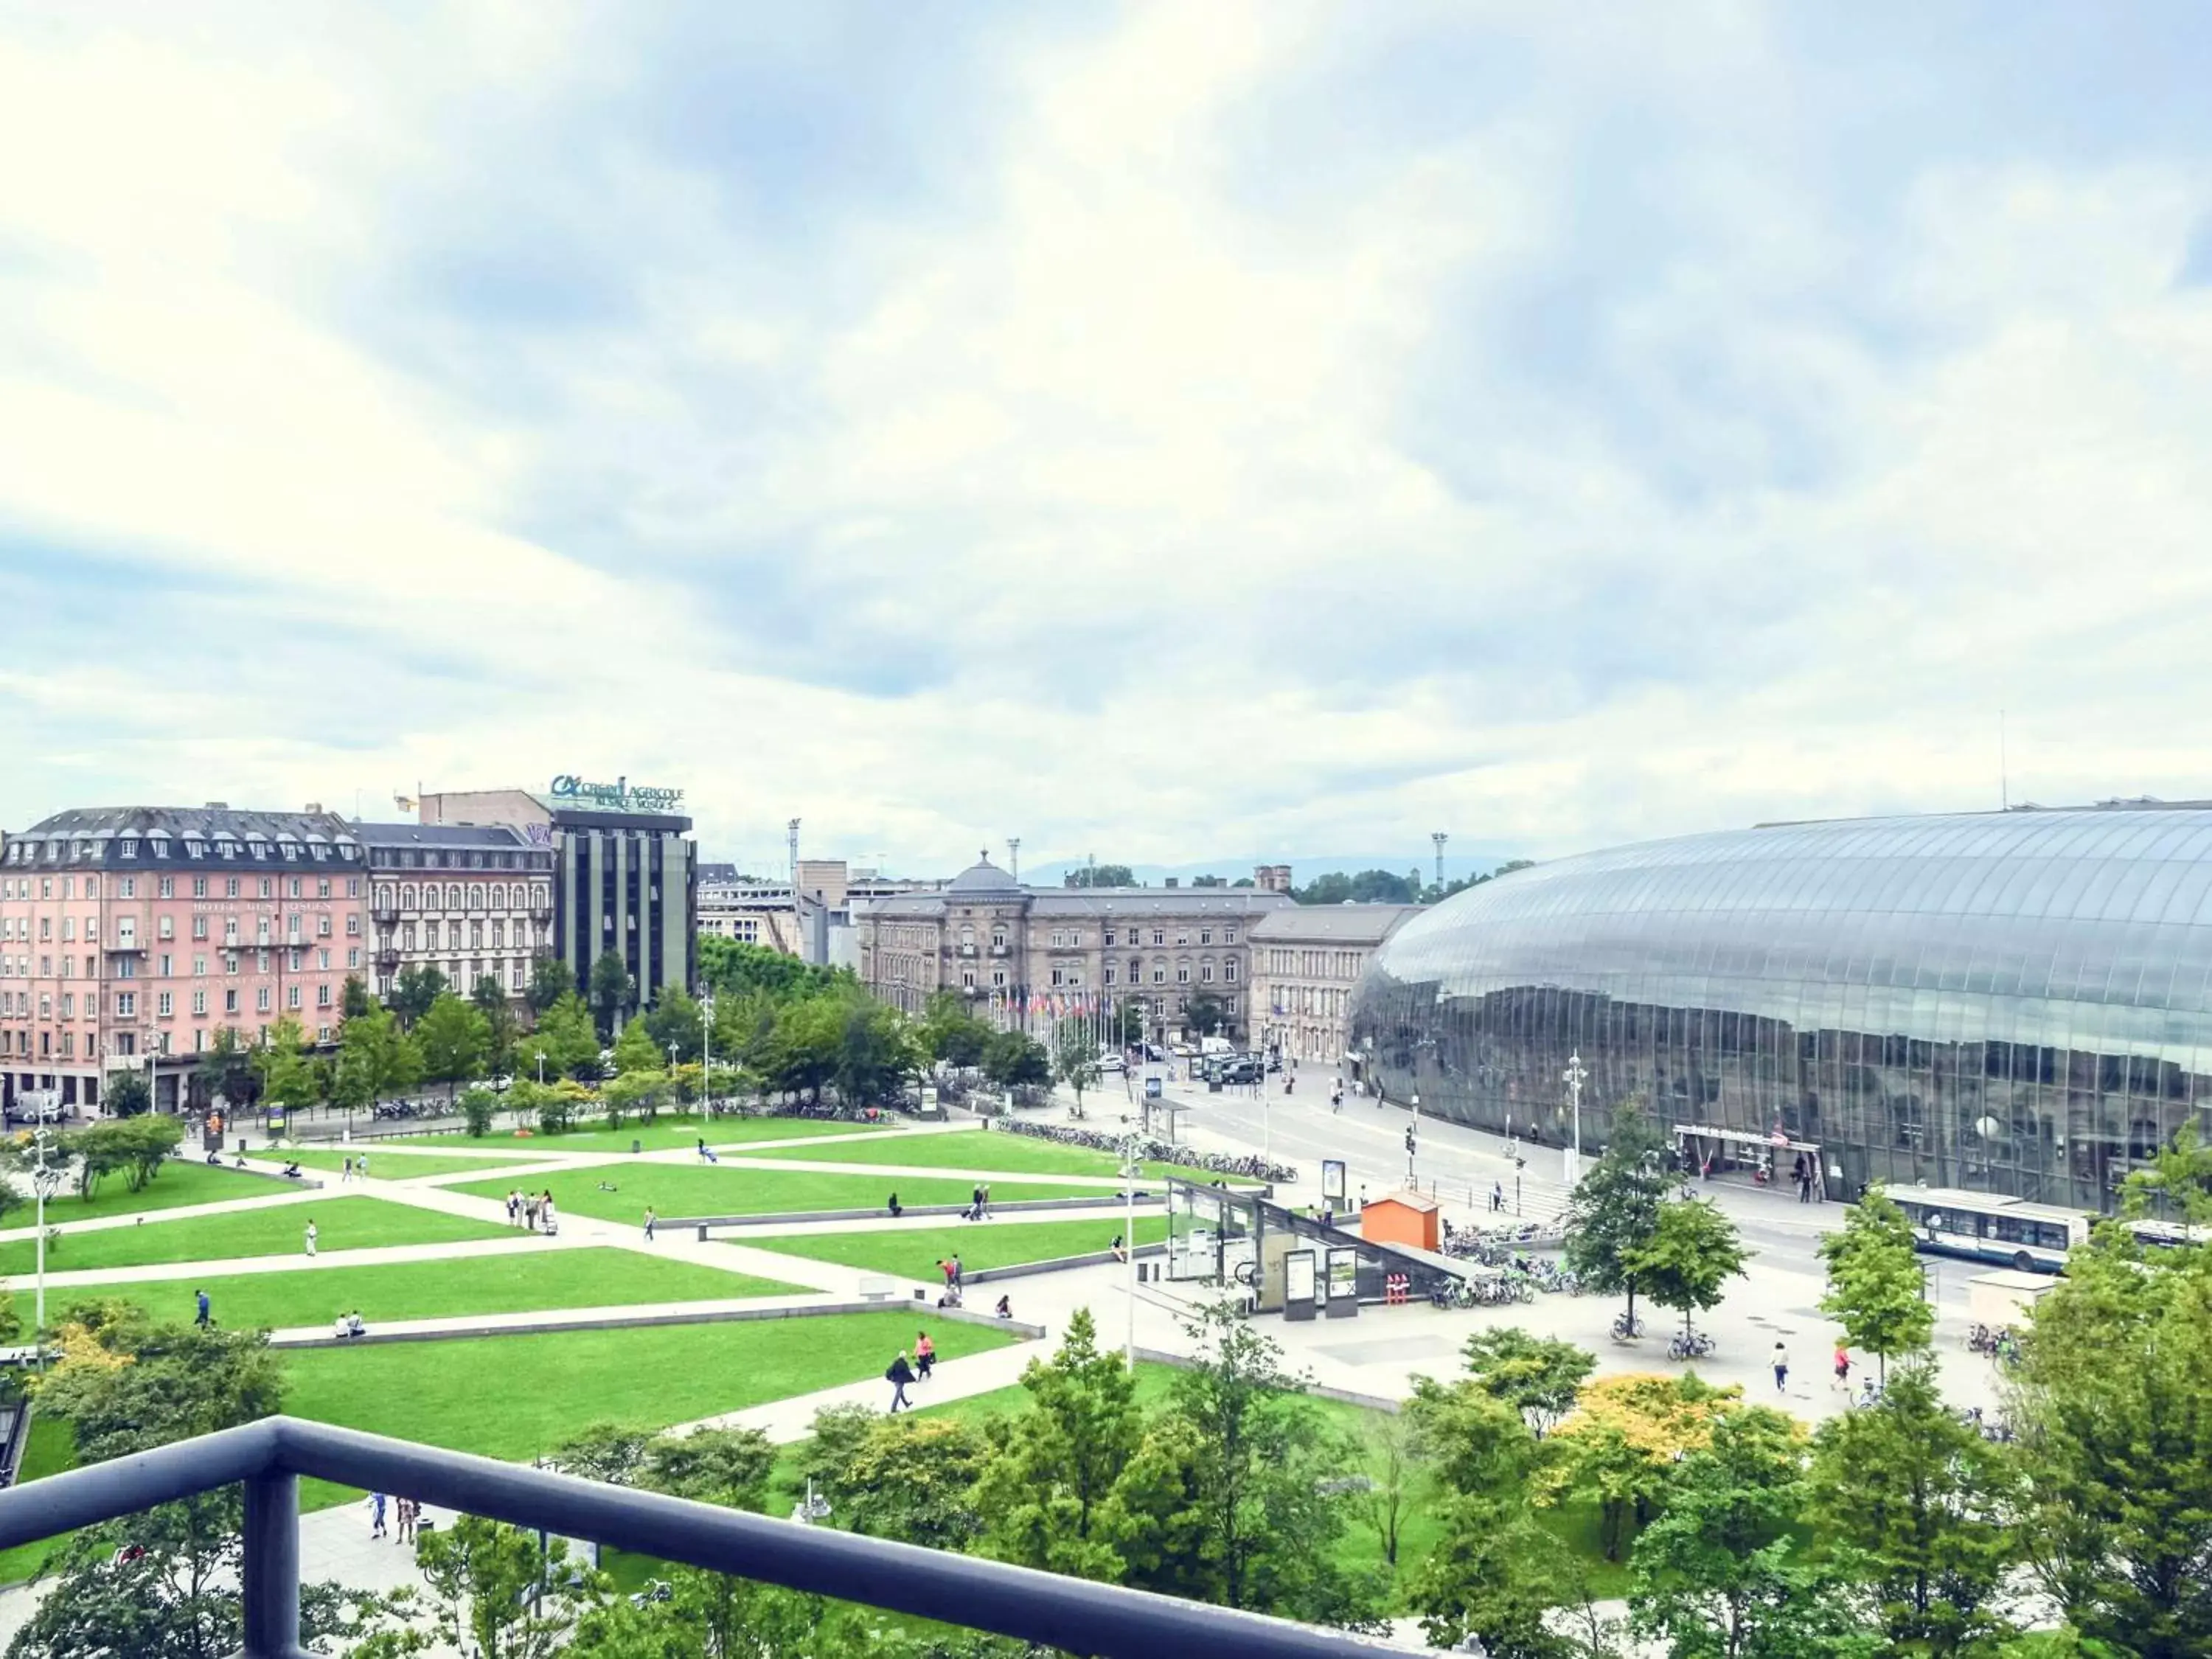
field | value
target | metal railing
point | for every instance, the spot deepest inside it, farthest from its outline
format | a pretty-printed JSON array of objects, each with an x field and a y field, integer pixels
[{"x": 270, "y": 1456}]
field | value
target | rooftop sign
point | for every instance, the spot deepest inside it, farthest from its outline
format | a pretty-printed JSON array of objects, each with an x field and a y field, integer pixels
[{"x": 620, "y": 796}]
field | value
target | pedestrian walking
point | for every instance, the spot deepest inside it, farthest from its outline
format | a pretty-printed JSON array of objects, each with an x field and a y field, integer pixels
[
  {"x": 201, "y": 1299},
  {"x": 1781, "y": 1361},
  {"x": 376, "y": 1515},
  {"x": 648, "y": 1224},
  {"x": 898, "y": 1376},
  {"x": 946, "y": 1267},
  {"x": 986, "y": 1214},
  {"x": 346, "y": 1174},
  {"x": 546, "y": 1209},
  {"x": 1843, "y": 1368},
  {"x": 976, "y": 1203},
  {"x": 407, "y": 1511},
  {"x": 1336, "y": 1098},
  {"x": 1497, "y": 1196},
  {"x": 514, "y": 1206},
  {"x": 702, "y": 1149},
  {"x": 925, "y": 1355},
  {"x": 955, "y": 1280},
  {"x": 311, "y": 1236},
  {"x": 1363, "y": 1198},
  {"x": 530, "y": 1213},
  {"x": 361, "y": 1166}
]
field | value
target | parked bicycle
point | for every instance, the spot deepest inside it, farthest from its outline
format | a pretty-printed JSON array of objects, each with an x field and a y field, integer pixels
[
  {"x": 1625, "y": 1328},
  {"x": 1690, "y": 1345}
]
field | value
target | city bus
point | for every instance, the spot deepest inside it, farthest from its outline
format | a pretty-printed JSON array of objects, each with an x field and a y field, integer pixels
[{"x": 2007, "y": 1232}]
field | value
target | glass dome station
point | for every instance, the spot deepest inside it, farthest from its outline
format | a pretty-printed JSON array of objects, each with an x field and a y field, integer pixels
[{"x": 2015, "y": 1003}]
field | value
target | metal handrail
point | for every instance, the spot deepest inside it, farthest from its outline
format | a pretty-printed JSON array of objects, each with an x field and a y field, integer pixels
[{"x": 271, "y": 1456}]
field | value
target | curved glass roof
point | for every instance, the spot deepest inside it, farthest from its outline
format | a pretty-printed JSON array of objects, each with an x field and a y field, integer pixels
[{"x": 2020, "y": 918}]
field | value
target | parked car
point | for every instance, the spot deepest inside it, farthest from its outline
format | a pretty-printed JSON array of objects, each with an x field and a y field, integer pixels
[
  {"x": 1109, "y": 1060},
  {"x": 1236, "y": 1068}
]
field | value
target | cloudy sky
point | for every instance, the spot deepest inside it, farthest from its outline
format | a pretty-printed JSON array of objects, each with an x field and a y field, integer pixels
[{"x": 1169, "y": 432}]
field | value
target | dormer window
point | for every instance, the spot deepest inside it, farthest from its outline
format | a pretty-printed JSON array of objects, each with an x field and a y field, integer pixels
[
  {"x": 195, "y": 849},
  {"x": 127, "y": 847}
]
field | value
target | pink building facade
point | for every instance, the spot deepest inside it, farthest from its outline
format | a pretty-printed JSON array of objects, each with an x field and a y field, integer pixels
[{"x": 129, "y": 936}]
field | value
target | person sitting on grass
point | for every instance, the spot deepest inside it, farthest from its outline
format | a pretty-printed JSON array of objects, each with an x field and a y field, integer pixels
[
  {"x": 894, "y": 1206},
  {"x": 1120, "y": 1254},
  {"x": 1006, "y": 1308}
]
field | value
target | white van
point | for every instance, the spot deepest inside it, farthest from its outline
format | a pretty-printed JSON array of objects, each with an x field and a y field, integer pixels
[{"x": 1216, "y": 1045}]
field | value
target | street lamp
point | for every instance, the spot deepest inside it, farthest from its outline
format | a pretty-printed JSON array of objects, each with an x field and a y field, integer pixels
[
  {"x": 707, "y": 1052},
  {"x": 1129, "y": 1241},
  {"x": 1574, "y": 1077},
  {"x": 44, "y": 1181}
]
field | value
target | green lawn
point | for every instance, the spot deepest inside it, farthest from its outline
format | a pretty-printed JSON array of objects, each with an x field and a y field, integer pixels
[
  {"x": 970, "y": 1150},
  {"x": 991, "y": 1245},
  {"x": 511, "y": 1281},
  {"x": 660, "y": 1135},
  {"x": 181, "y": 1181},
  {"x": 406, "y": 1166},
  {"x": 684, "y": 1189},
  {"x": 350, "y": 1223},
  {"x": 514, "y": 1397}
]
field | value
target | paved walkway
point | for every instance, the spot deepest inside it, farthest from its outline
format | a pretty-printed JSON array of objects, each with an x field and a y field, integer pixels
[
  {"x": 299, "y": 1261},
  {"x": 786, "y": 1420}
]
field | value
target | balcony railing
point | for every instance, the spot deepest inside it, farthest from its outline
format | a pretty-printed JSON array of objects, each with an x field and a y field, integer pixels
[{"x": 270, "y": 1457}]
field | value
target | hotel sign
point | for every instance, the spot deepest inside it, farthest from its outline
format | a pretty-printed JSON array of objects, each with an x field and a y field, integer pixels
[{"x": 620, "y": 796}]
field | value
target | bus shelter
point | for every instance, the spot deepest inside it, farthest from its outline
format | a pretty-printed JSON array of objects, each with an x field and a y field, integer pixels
[
  {"x": 1245, "y": 1242},
  {"x": 1709, "y": 1149}
]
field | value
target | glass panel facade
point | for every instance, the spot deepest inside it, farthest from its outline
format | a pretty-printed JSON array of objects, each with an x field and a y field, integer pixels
[{"x": 2014, "y": 1002}]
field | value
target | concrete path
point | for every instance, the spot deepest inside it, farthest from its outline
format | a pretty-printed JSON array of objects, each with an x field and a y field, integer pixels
[
  {"x": 530, "y": 1320},
  {"x": 374, "y": 1256},
  {"x": 786, "y": 1420}
]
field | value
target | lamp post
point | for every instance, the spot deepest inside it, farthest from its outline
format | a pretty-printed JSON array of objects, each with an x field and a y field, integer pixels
[
  {"x": 1574, "y": 1077},
  {"x": 45, "y": 1180},
  {"x": 706, "y": 1052},
  {"x": 1129, "y": 1241}
]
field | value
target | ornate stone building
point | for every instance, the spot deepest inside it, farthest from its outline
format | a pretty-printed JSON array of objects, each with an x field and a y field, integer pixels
[
  {"x": 1004, "y": 946},
  {"x": 1305, "y": 960},
  {"x": 472, "y": 901}
]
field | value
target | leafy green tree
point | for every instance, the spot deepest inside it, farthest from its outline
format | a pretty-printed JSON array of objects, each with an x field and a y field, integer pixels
[
  {"x": 226, "y": 1069},
  {"x": 137, "y": 1148},
  {"x": 550, "y": 979},
  {"x": 478, "y": 1106},
  {"x": 567, "y": 1041},
  {"x": 1614, "y": 1210},
  {"x": 1250, "y": 1490},
  {"x": 825, "y": 1454},
  {"x": 728, "y": 1467},
  {"x": 676, "y": 1021},
  {"x": 1717, "y": 1575},
  {"x": 417, "y": 988},
  {"x": 1540, "y": 1376},
  {"x": 1101, "y": 875},
  {"x": 799, "y": 1051},
  {"x": 126, "y": 1094},
  {"x": 612, "y": 1453},
  {"x": 913, "y": 1479},
  {"x": 455, "y": 1040},
  {"x": 489, "y": 999},
  {"x": 377, "y": 1060},
  {"x": 635, "y": 1050},
  {"x": 1690, "y": 1257},
  {"x": 1054, "y": 1465},
  {"x": 950, "y": 1034},
  {"x": 612, "y": 992},
  {"x": 1014, "y": 1059},
  {"x": 1922, "y": 1499},
  {"x": 734, "y": 968},
  {"x": 353, "y": 998},
  {"x": 287, "y": 1077},
  {"x": 1367, "y": 887},
  {"x": 1875, "y": 1291},
  {"x": 1075, "y": 1061},
  {"x": 495, "y": 1591},
  {"x": 2116, "y": 1446},
  {"x": 876, "y": 1053},
  {"x": 1207, "y": 1013},
  {"x": 1620, "y": 1445}
]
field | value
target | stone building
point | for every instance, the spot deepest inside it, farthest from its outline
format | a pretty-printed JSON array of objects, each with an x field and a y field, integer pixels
[
  {"x": 1004, "y": 946},
  {"x": 1305, "y": 960},
  {"x": 471, "y": 901}
]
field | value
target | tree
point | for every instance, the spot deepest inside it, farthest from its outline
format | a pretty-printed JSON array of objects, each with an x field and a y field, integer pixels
[
  {"x": 728, "y": 1467},
  {"x": 418, "y": 987},
  {"x": 565, "y": 1038},
  {"x": 353, "y": 998},
  {"x": 455, "y": 1040},
  {"x": 1075, "y": 1061},
  {"x": 1207, "y": 1013},
  {"x": 677, "y": 1022},
  {"x": 226, "y": 1069},
  {"x": 550, "y": 979},
  {"x": 1690, "y": 1257},
  {"x": 1875, "y": 1291},
  {"x": 127, "y": 1095},
  {"x": 612, "y": 1453},
  {"x": 950, "y": 1034},
  {"x": 489, "y": 999},
  {"x": 1367, "y": 887},
  {"x": 377, "y": 1060},
  {"x": 288, "y": 1075},
  {"x": 1614, "y": 1210},
  {"x": 1386, "y": 1446},
  {"x": 1921, "y": 1497},
  {"x": 495, "y": 1592},
  {"x": 912, "y": 1479},
  {"x": 734, "y": 968},
  {"x": 612, "y": 991},
  {"x": 1053, "y": 1466},
  {"x": 635, "y": 1051},
  {"x": 137, "y": 1148},
  {"x": 2116, "y": 1446},
  {"x": 876, "y": 1054},
  {"x": 1014, "y": 1059},
  {"x": 1625, "y": 1434},
  {"x": 1101, "y": 875},
  {"x": 1244, "y": 1488},
  {"x": 478, "y": 1106},
  {"x": 1538, "y": 1376},
  {"x": 1717, "y": 1575}
]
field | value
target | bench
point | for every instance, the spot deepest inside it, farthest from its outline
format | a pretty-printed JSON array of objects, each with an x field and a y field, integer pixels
[{"x": 877, "y": 1288}]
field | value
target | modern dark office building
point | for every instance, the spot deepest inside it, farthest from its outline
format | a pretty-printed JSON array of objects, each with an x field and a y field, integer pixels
[
  {"x": 2014, "y": 1002},
  {"x": 625, "y": 875}
]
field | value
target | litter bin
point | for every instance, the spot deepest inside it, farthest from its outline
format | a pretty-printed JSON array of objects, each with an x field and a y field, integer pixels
[
  {"x": 636, "y": 1146},
  {"x": 1214, "y": 1085}
]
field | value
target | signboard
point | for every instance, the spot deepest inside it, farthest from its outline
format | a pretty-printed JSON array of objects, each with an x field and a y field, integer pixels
[
  {"x": 1343, "y": 1299},
  {"x": 620, "y": 796},
  {"x": 1300, "y": 1291},
  {"x": 1332, "y": 1182},
  {"x": 1152, "y": 1088}
]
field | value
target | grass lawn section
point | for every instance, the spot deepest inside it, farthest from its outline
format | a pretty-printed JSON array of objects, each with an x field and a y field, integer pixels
[
  {"x": 405, "y": 1166},
  {"x": 342, "y": 1223},
  {"x": 976, "y": 1150},
  {"x": 51, "y": 1449},
  {"x": 990, "y": 1244},
  {"x": 514, "y": 1397},
  {"x": 515, "y": 1281},
  {"x": 180, "y": 1182},
  {"x": 685, "y": 1189},
  {"x": 659, "y": 1136}
]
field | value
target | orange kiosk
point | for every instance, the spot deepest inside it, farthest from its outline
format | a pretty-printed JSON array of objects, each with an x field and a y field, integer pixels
[{"x": 1402, "y": 1219}]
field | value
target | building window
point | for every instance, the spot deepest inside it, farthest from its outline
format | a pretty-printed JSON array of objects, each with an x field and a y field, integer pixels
[
  {"x": 199, "y": 1002},
  {"x": 230, "y": 1001},
  {"x": 1159, "y": 974},
  {"x": 1206, "y": 936},
  {"x": 1206, "y": 972},
  {"x": 261, "y": 999},
  {"x": 353, "y": 958},
  {"x": 1183, "y": 973},
  {"x": 322, "y": 996},
  {"x": 199, "y": 967},
  {"x": 162, "y": 1005},
  {"x": 1229, "y": 970},
  {"x": 1160, "y": 936},
  {"x": 126, "y": 1005}
]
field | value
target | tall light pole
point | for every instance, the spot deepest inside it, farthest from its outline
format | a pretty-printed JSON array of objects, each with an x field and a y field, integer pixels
[
  {"x": 1439, "y": 837},
  {"x": 1129, "y": 1241},
  {"x": 1574, "y": 1077},
  {"x": 1014, "y": 857},
  {"x": 44, "y": 1182},
  {"x": 707, "y": 1052}
]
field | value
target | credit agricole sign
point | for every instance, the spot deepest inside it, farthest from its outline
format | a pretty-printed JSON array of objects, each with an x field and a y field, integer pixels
[{"x": 620, "y": 796}]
